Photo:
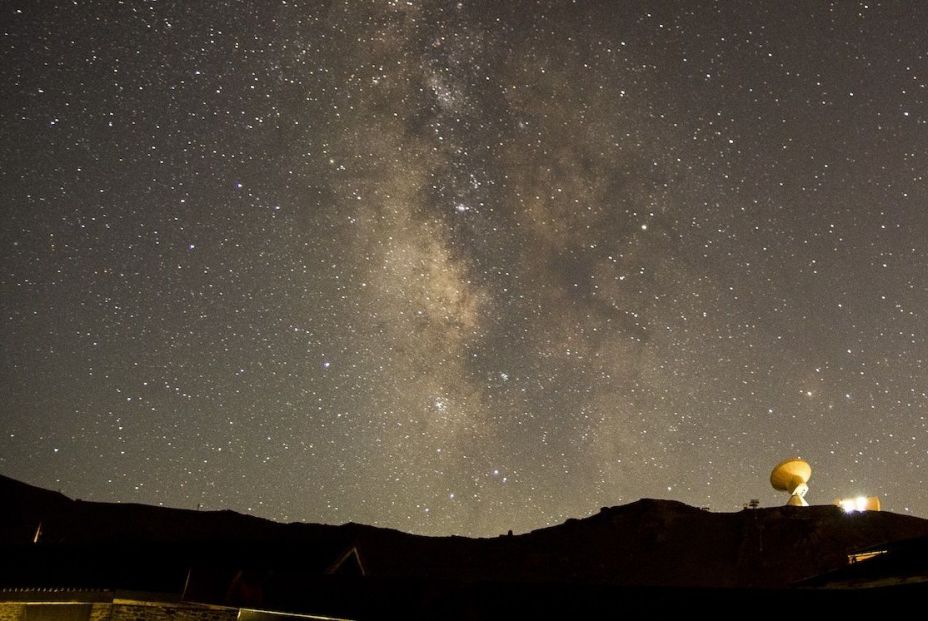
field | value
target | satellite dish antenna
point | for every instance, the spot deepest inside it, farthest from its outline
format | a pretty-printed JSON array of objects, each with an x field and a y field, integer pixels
[{"x": 792, "y": 475}]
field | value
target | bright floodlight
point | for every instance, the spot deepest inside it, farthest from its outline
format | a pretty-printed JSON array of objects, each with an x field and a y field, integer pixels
[
  {"x": 792, "y": 475},
  {"x": 860, "y": 503}
]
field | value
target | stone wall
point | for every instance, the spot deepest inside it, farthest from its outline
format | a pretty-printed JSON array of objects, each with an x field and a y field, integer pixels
[
  {"x": 138, "y": 611},
  {"x": 115, "y": 611},
  {"x": 12, "y": 611},
  {"x": 101, "y": 612}
]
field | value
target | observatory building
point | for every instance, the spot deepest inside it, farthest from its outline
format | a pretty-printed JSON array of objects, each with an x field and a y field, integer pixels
[{"x": 792, "y": 476}]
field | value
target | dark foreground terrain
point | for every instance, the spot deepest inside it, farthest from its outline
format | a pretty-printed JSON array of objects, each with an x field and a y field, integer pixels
[{"x": 656, "y": 557}]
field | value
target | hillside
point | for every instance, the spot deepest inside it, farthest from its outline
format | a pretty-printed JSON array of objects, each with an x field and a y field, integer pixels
[{"x": 215, "y": 556}]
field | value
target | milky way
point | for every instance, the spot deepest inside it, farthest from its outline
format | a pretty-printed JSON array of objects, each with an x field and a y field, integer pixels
[{"x": 463, "y": 267}]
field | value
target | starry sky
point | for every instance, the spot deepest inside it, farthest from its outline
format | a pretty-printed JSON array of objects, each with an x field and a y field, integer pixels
[{"x": 463, "y": 267}]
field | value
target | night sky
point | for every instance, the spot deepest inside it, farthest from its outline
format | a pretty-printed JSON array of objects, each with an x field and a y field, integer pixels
[{"x": 463, "y": 267}]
